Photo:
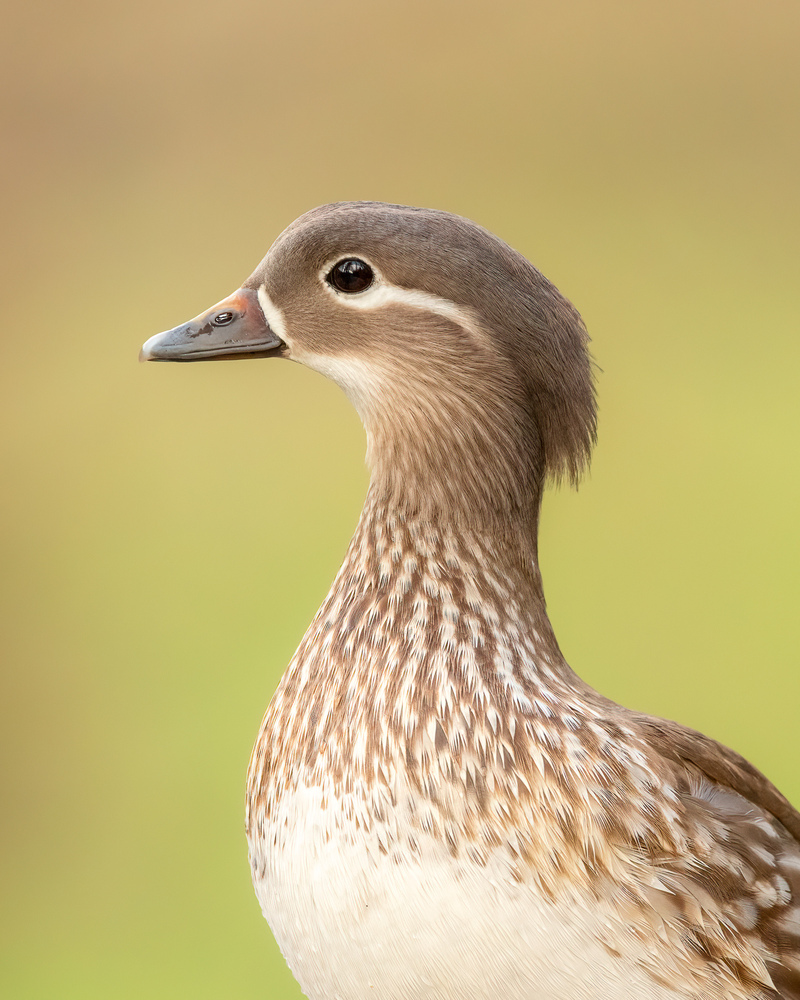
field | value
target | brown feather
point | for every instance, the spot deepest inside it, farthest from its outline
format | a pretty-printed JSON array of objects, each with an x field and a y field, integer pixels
[{"x": 429, "y": 708}]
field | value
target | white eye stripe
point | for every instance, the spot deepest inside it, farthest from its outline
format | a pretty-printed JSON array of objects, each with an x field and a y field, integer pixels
[{"x": 382, "y": 293}]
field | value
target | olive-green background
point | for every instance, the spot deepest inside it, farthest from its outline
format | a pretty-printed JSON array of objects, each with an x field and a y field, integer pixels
[{"x": 168, "y": 531}]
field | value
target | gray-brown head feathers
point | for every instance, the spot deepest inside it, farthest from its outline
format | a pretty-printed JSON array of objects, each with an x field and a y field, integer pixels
[{"x": 465, "y": 334}]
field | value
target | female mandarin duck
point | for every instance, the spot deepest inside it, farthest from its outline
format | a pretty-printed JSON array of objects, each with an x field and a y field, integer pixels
[{"x": 438, "y": 808}]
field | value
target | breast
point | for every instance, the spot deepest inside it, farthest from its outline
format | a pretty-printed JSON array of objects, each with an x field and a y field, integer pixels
[{"x": 361, "y": 908}]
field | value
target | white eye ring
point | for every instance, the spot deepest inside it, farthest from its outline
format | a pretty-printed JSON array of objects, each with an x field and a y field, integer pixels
[{"x": 351, "y": 275}]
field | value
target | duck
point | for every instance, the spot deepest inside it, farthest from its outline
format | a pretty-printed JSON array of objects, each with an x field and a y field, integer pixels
[{"x": 438, "y": 807}]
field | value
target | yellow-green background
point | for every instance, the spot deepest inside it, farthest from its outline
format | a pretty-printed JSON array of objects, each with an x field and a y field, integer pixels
[{"x": 169, "y": 530}]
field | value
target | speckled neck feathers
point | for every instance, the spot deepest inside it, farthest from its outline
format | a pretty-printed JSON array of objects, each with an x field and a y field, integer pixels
[{"x": 424, "y": 627}]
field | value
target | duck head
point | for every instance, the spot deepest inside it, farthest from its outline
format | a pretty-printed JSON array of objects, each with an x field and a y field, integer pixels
[{"x": 469, "y": 369}]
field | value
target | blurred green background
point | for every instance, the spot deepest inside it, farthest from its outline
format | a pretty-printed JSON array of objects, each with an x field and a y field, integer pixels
[{"x": 170, "y": 530}]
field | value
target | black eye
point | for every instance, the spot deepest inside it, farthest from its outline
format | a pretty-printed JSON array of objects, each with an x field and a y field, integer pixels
[
  {"x": 351, "y": 275},
  {"x": 222, "y": 319}
]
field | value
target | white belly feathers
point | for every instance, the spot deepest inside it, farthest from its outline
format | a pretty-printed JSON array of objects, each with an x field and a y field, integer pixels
[{"x": 356, "y": 921}]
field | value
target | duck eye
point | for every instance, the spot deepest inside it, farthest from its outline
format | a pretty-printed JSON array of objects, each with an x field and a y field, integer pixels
[
  {"x": 351, "y": 275},
  {"x": 222, "y": 319}
]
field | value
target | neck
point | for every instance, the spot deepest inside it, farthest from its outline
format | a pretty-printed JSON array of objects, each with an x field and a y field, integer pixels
[
  {"x": 481, "y": 559},
  {"x": 447, "y": 455},
  {"x": 425, "y": 622},
  {"x": 430, "y": 686},
  {"x": 466, "y": 594},
  {"x": 432, "y": 646}
]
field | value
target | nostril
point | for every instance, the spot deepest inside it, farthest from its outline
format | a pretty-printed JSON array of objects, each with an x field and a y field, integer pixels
[{"x": 223, "y": 319}]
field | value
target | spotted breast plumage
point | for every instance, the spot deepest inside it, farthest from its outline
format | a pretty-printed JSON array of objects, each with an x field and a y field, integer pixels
[{"x": 438, "y": 808}]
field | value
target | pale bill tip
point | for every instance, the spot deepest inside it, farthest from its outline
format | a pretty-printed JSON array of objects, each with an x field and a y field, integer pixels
[{"x": 147, "y": 352}]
